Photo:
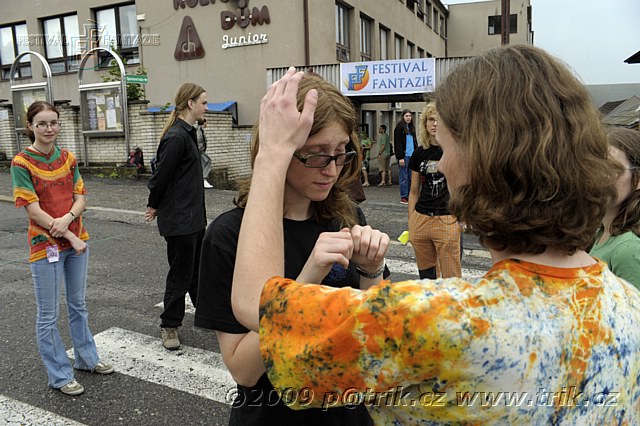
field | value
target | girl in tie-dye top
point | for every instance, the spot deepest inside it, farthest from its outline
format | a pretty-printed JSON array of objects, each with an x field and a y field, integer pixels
[{"x": 548, "y": 336}]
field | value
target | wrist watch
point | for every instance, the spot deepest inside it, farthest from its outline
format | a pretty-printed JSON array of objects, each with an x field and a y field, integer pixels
[{"x": 370, "y": 275}]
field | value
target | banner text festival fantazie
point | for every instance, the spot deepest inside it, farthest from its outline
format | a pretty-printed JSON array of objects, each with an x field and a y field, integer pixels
[{"x": 403, "y": 76}]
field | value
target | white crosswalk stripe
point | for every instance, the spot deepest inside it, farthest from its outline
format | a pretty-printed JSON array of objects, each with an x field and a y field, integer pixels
[
  {"x": 16, "y": 413},
  {"x": 196, "y": 371}
]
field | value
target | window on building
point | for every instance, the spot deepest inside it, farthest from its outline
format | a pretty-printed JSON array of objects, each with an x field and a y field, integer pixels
[
  {"x": 428, "y": 11},
  {"x": 342, "y": 33},
  {"x": 410, "y": 50},
  {"x": 443, "y": 28},
  {"x": 436, "y": 20},
  {"x": 365, "y": 38},
  {"x": 410, "y": 4},
  {"x": 14, "y": 40},
  {"x": 495, "y": 21},
  {"x": 398, "y": 47},
  {"x": 420, "y": 8},
  {"x": 420, "y": 52},
  {"x": 62, "y": 43},
  {"x": 118, "y": 30},
  {"x": 384, "y": 44}
]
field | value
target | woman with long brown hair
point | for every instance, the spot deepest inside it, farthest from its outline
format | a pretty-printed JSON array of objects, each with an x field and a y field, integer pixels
[
  {"x": 176, "y": 197},
  {"x": 319, "y": 221},
  {"x": 548, "y": 327}
]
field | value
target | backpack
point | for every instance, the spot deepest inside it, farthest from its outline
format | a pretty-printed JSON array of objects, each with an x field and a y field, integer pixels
[{"x": 136, "y": 159}]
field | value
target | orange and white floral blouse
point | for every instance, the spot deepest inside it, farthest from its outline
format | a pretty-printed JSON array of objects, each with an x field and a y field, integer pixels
[{"x": 525, "y": 344}]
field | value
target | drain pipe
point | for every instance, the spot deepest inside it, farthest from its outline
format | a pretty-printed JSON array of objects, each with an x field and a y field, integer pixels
[{"x": 306, "y": 33}]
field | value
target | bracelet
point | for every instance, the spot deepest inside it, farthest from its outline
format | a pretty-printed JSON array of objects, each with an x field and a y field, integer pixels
[
  {"x": 72, "y": 215},
  {"x": 370, "y": 275}
]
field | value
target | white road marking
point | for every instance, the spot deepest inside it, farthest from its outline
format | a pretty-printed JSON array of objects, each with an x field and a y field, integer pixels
[
  {"x": 14, "y": 412},
  {"x": 188, "y": 306},
  {"x": 196, "y": 371}
]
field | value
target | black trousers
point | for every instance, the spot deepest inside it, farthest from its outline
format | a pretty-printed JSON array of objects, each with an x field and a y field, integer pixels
[{"x": 183, "y": 253}]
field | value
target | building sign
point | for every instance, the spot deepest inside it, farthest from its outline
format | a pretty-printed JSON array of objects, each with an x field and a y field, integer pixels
[
  {"x": 189, "y": 45},
  {"x": 239, "y": 41},
  {"x": 402, "y": 76}
]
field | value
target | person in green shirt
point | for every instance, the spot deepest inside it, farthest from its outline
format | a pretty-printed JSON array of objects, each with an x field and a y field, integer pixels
[
  {"x": 618, "y": 240},
  {"x": 384, "y": 156}
]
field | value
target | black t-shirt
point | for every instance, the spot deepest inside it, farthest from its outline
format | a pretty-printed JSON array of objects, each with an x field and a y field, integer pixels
[
  {"x": 260, "y": 405},
  {"x": 434, "y": 194}
]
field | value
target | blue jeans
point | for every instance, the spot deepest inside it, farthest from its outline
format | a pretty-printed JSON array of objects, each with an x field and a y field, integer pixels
[
  {"x": 404, "y": 177},
  {"x": 47, "y": 282}
]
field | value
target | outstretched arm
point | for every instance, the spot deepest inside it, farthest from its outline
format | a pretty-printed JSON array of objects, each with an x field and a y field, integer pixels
[{"x": 283, "y": 130}]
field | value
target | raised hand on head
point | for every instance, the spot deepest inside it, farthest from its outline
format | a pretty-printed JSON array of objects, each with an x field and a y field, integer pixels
[{"x": 284, "y": 129}]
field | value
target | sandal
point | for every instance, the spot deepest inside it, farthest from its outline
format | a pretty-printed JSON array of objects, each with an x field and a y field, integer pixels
[
  {"x": 365, "y": 184},
  {"x": 382, "y": 184}
]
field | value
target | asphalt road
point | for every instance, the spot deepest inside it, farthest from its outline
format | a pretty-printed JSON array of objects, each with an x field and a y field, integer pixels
[{"x": 127, "y": 269}]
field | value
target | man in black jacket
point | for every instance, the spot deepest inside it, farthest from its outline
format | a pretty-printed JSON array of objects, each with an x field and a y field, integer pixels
[{"x": 176, "y": 197}]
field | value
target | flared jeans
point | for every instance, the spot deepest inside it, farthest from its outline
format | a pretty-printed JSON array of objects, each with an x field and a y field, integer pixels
[{"x": 48, "y": 279}]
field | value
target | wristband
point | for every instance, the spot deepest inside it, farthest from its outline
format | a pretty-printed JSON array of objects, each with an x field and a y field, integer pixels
[
  {"x": 370, "y": 275},
  {"x": 72, "y": 215}
]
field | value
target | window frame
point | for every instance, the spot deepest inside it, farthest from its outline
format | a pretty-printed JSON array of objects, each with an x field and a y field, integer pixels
[
  {"x": 366, "y": 24},
  {"x": 343, "y": 48},
  {"x": 513, "y": 24},
  {"x": 384, "y": 43},
  {"x": 24, "y": 70},
  {"x": 398, "y": 42},
  {"x": 130, "y": 55},
  {"x": 66, "y": 59}
]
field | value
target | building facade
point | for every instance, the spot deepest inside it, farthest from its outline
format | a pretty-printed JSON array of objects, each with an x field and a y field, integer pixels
[
  {"x": 229, "y": 46},
  {"x": 475, "y": 27}
]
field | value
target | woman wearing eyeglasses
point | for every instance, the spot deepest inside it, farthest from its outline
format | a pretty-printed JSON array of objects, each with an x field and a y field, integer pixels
[
  {"x": 618, "y": 240},
  {"x": 320, "y": 222},
  {"x": 47, "y": 183}
]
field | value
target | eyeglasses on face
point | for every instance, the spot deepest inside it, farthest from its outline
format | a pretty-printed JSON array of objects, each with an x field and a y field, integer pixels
[
  {"x": 318, "y": 161},
  {"x": 42, "y": 125}
]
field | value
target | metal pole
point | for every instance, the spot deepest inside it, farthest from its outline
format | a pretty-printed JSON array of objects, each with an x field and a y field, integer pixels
[{"x": 505, "y": 22}]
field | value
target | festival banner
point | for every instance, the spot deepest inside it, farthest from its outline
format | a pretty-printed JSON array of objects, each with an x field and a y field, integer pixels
[{"x": 394, "y": 77}]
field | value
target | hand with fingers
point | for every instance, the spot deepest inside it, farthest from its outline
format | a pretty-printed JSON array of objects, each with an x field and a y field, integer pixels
[
  {"x": 58, "y": 226},
  {"x": 283, "y": 128},
  {"x": 369, "y": 248},
  {"x": 330, "y": 248}
]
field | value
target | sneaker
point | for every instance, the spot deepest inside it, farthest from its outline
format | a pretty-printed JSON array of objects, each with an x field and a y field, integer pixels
[
  {"x": 207, "y": 184},
  {"x": 103, "y": 368},
  {"x": 404, "y": 200},
  {"x": 170, "y": 338},
  {"x": 72, "y": 388}
]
